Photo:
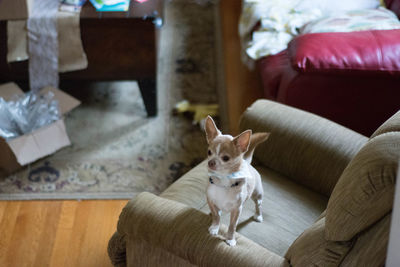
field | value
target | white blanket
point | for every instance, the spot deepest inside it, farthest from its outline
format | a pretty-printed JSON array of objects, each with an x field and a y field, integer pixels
[{"x": 280, "y": 21}]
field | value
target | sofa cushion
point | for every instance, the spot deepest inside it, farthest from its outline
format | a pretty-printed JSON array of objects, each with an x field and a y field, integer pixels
[
  {"x": 364, "y": 192},
  {"x": 391, "y": 125}
]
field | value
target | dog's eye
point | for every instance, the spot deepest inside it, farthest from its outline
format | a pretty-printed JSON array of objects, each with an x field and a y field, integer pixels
[
  {"x": 209, "y": 152},
  {"x": 225, "y": 158}
]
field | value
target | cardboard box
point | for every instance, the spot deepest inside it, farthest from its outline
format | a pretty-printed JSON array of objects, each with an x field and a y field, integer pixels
[
  {"x": 15, "y": 9},
  {"x": 42, "y": 142}
]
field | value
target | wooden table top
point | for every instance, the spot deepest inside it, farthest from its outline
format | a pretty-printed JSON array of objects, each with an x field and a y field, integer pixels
[{"x": 149, "y": 8}]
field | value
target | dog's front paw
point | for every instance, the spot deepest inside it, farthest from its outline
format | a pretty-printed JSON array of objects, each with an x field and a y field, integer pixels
[
  {"x": 231, "y": 242},
  {"x": 213, "y": 230},
  {"x": 258, "y": 218}
]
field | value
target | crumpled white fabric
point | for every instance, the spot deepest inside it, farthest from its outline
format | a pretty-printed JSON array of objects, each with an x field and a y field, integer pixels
[{"x": 281, "y": 20}]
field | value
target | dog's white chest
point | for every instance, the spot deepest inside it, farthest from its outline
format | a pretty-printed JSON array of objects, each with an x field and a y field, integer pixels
[
  {"x": 224, "y": 198},
  {"x": 227, "y": 191}
]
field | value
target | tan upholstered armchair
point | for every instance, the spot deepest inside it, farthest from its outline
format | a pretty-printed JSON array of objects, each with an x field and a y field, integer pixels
[{"x": 328, "y": 201}]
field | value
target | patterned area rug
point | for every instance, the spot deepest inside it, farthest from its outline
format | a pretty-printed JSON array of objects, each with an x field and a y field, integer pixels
[{"x": 117, "y": 151}]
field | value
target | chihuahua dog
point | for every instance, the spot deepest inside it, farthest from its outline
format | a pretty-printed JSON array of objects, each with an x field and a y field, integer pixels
[{"x": 232, "y": 180}]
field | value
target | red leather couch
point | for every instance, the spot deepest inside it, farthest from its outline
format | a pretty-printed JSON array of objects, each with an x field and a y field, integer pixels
[{"x": 351, "y": 78}]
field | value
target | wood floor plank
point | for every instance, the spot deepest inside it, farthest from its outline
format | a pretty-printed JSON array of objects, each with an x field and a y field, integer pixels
[
  {"x": 92, "y": 249},
  {"x": 64, "y": 233},
  {"x": 112, "y": 210},
  {"x": 105, "y": 218},
  {"x": 7, "y": 225},
  {"x": 48, "y": 234},
  {"x": 57, "y": 233},
  {"x": 25, "y": 236},
  {"x": 78, "y": 234},
  {"x": 3, "y": 205}
]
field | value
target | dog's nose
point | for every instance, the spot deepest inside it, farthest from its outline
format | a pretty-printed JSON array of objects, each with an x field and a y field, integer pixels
[{"x": 211, "y": 164}]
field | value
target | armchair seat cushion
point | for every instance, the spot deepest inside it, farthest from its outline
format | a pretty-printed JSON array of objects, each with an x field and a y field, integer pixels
[{"x": 288, "y": 208}]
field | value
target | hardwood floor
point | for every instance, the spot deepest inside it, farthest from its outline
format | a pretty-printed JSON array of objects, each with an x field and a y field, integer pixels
[
  {"x": 57, "y": 233},
  {"x": 75, "y": 233}
]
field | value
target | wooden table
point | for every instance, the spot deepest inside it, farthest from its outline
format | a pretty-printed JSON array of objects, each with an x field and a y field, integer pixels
[{"x": 118, "y": 45}]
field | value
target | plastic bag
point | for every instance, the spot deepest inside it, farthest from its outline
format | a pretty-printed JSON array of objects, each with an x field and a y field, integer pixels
[
  {"x": 26, "y": 113},
  {"x": 8, "y": 128}
]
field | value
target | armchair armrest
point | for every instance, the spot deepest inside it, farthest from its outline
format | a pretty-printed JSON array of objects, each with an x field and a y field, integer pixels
[
  {"x": 183, "y": 232},
  {"x": 369, "y": 52},
  {"x": 305, "y": 147}
]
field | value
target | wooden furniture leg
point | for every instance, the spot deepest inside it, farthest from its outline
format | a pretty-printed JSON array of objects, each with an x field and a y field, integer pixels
[{"x": 148, "y": 90}]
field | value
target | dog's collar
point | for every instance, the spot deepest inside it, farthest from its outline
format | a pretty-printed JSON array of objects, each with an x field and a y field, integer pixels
[
  {"x": 212, "y": 181},
  {"x": 243, "y": 172},
  {"x": 229, "y": 176},
  {"x": 228, "y": 179}
]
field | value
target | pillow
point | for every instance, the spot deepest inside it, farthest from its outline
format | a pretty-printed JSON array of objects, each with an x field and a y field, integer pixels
[{"x": 354, "y": 20}]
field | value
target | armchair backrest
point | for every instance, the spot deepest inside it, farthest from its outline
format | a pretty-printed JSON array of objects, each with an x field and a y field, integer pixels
[
  {"x": 393, "y": 5},
  {"x": 355, "y": 229},
  {"x": 304, "y": 147}
]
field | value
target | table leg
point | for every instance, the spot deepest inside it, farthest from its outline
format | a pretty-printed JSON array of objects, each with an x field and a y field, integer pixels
[{"x": 148, "y": 90}]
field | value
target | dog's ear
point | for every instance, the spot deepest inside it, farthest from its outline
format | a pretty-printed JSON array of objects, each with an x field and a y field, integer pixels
[
  {"x": 242, "y": 141},
  {"x": 211, "y": 130}
]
